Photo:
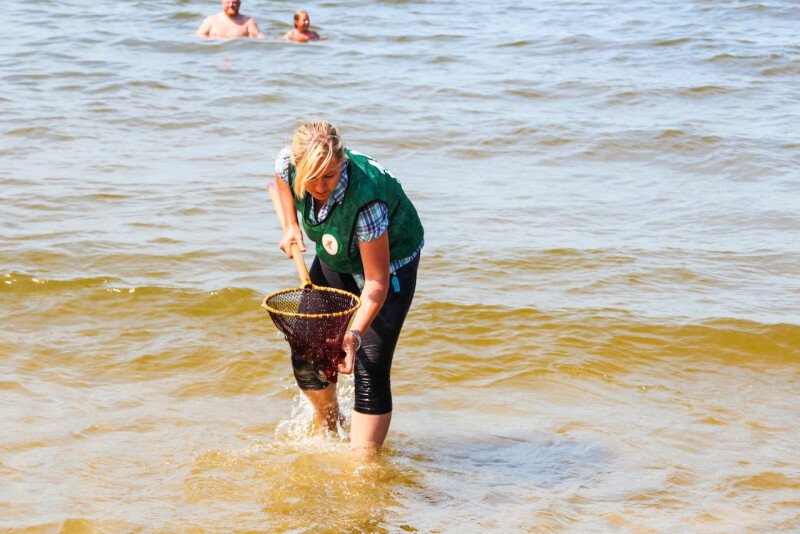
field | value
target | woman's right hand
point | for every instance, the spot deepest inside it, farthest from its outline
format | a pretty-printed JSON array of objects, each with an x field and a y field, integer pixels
[{"x": 292, "y": 234}]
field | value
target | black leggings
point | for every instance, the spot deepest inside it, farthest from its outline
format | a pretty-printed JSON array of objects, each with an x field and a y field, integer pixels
[{"x": 374, "y": 359}]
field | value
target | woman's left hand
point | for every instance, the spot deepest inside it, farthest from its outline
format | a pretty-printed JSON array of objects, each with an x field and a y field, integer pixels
[
  {"x": 349, "y": 345},
  {"x": 375, "y": 259}
]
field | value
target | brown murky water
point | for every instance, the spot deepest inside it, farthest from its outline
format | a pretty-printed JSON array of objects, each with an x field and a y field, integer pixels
[{"x": 606, "y": 334}]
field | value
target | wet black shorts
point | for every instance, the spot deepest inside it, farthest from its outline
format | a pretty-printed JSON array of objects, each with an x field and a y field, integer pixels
[{"x": 373, "y": 363}]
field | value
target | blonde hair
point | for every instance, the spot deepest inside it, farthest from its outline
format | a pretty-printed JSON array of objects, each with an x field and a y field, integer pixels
[
  {"x": 314, "y": 145},
  {"x": 297, "y": 15}
]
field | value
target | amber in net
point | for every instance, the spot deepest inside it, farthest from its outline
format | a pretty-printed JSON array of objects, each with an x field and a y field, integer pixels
[{"x": 314, "y": 321}]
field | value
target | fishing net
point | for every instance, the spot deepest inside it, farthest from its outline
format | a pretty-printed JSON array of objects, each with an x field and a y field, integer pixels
[{"x": 314, "y": 320}]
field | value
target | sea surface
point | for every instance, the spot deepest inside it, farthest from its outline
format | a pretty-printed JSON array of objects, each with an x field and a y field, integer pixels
[{"x": 606, "y": 331}]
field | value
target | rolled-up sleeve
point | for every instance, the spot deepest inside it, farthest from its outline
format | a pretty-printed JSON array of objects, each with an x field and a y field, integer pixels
[
  {"x": 282, "y": 162},
  {"x": 373, "y": 221}
]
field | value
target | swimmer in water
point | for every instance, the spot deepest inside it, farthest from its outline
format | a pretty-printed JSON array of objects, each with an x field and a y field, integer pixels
[
  {"x": 229, "y": 24},
  {"x": 301, "y": 33}
]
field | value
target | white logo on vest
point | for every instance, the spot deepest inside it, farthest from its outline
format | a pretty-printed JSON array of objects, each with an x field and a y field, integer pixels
[{"x": 330, "y": 244}]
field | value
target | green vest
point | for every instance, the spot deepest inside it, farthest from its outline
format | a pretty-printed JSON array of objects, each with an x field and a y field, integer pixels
[{"x": 367, "y": 181}]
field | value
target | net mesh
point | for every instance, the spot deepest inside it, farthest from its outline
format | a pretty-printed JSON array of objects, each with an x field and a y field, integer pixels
[{"x": 314, "y": 321}]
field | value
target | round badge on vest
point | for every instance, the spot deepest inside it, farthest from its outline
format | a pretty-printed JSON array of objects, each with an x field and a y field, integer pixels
[{"x": 330, "y": 244}]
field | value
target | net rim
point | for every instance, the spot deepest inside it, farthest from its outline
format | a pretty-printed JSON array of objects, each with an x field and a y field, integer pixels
[{"x": 348, "y": 311}]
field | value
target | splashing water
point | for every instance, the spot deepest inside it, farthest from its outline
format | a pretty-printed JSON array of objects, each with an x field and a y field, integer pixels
[{"x": 300, "y": 425}]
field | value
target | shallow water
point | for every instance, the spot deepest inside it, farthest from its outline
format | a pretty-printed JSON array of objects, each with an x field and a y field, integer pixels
[{"x": 606, "y": 332}]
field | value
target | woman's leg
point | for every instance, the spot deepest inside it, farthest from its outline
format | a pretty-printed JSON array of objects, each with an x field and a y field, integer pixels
[
  {"x": 318, "y": 391},
  {"x": 368, "y": 432},
  {"x": 372, "y": 411},
  {"x": 326, "y": 408}
]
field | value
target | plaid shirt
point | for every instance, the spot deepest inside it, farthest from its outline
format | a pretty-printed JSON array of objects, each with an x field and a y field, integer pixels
[{"x": 373, "y": 219}]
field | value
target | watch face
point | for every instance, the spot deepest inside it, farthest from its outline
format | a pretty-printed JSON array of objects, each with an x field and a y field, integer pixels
[{"x": 330, "y": 244}]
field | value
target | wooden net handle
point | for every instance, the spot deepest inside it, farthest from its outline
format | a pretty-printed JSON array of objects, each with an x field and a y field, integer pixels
[{"x": 297, "y": 256}]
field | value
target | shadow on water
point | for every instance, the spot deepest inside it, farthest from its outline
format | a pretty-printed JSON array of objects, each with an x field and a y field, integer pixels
[
  {"x": 524, "y": 461},
  {"x": 502, "y": 483}
]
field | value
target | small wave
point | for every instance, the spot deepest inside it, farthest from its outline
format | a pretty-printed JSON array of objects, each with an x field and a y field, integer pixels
[
  {"x": 26, "y": 78},
  {"x": 186, "y": 125},
  {"x": 275, "y": 98},
  {"x": 106, "y": 290},
  {"x": 149, "y": 84},
  {"x": 467, "y": 333},
  {"x": 108, "y": 196},
  {"x": 10, "y": 385},
  {"x": 80, "y": 524},
  {"x": 38, "y": 133},
  {"x": 165, "y": 241},
  {"x": 137, "y": 43},
  {"x": 444, "y": 37},
  {"x": 442, "y": 60},
  {"x": 583, "y": 42},
  {"x": 400, "y": 2},
  {"x": 527, "y": 93},
  {"x": 456, "y": 92},
  {"x": 625, "y": 98},
  {"x": 671, "y": 42},
  {"x": 767, "y": 480},
  {"x": 792, "y": 69},
  {"x": 755, "y": 60},
  {"x": 23, "y": 283},
  {"x": 518, "y": 44},
  {"x": 650, "y": 144},
  {"x": 705, "y": 90},
  {"x": 184, "y": 15}
]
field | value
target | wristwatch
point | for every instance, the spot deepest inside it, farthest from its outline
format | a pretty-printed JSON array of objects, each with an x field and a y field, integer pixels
[{"x": 357, "y": 335}]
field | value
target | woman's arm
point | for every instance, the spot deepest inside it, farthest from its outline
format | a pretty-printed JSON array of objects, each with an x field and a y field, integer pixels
[
  {"x": 292, "y": 232},
  {"x": 375, "y": 259}
]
